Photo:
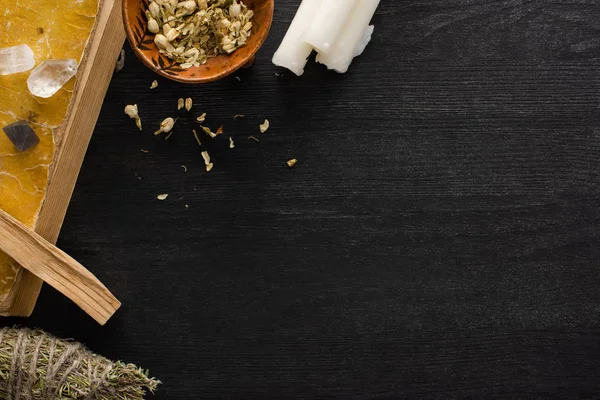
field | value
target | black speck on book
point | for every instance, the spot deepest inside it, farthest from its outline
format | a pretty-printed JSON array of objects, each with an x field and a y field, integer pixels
[{"x": 21, "y": 135}]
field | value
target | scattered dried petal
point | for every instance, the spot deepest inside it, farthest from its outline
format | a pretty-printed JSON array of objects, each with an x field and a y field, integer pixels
[
  {"x": 144, "y": 151},
  {"x": 180, "y": 104},
  {"x": 166, "y": 126},
  {"x": 184, "y": 168},
  {"x": 264, "y": 126},
  {"x": 188, "y": 103},
  {"x": 292, "y": 162},
  {"x": 220, "y": 130},
  {"x": 253, "y": 138},
  {"x": 132, "y": 111},
  {"x": 208, "y": 132},
  {"x": 201, "y": 118},
  {"x": 236, "y": 116},
  {"x": 238, "y": 78},
  {"x": 207, "y": 162},
  {"x": 162, "y": 197},
  {"x": 154, "y": 84},
  {"x": 231, "y": 144}
]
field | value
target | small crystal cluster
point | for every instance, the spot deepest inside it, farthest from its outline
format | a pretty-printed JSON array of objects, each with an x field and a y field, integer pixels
[
  {"x": 46, "y": 79},
  {"x": 16, "y": 59},
  {"x": 189, "y": 32}
]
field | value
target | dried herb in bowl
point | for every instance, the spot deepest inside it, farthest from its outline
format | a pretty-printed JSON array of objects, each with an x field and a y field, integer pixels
[{"x": 191, "y": 31}]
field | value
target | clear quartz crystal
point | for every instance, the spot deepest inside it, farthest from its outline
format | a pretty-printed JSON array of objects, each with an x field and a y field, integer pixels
[
  {"x": 16, "y": 59},
  {"x": 48, "y": 77}
]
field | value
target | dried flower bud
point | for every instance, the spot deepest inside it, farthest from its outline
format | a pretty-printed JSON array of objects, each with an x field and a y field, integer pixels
[
  {"x": 180, "y": 104},
  {"x": 132, "y": 112},
  {"x": 162, "y": 197},
  {"x": 188, "y": 103},
  {"x": 292, "y": 162},
  {"x": 235, "y": 9},
  {"x": 187, "y": 7},
  {"x": 201, "y": 118},
  {"x": 154, "y": 9},
  {"x": 172, "y": 35},
  {"x": 162, "y": 43},
  {"x": 153, "y": 26},
  {"x": 166, "y": 126},
  {"x": 231, "y": 144},
  {"x": 154, "y": 84}
]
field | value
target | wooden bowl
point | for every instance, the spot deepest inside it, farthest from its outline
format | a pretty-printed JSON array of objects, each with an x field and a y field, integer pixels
[{"x": 142, "y": 42}]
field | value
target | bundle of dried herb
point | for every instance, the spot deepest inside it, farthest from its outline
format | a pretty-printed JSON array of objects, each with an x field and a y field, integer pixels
[
  {"x": 190, "y": 31},
  {"x": 35, "y": 365}
]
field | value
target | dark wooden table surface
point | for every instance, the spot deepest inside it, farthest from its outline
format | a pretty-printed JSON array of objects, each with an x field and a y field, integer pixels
[{"x": 438, "y": 237}]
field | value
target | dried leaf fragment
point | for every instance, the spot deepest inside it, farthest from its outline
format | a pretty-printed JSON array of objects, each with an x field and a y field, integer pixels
[
  {"x": 180, "y": 104},
  {"x": 207, "y": 162},
  {"x": 162, "y": 197},
  {"x": 154, "y": 84},
  {"x": 292, "y": 162},
  {"x": 132, "y": 111},
  {"x": 231, "y": 144},
  {"x": 165, "y": 126},
  {"x": 188, "y": 103},
  {"x": 264, "y": 126}
]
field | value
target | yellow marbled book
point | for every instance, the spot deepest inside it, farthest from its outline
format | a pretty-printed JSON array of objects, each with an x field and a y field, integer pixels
[{"x": 54, "y": 29}]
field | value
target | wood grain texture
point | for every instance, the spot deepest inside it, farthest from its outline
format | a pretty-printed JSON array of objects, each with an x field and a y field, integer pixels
[
  {"x": 74, "y": 136},
  {"x": 437, "y": 239},
  {"x": 55, "y": 267}
]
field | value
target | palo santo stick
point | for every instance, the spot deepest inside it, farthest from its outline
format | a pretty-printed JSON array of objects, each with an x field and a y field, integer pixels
[
  {"x": 293, "y": 51},
  {"x": 353, "y": 39},
  {"x": 56, "y": 268},
  {"x": 328, "y": 24}
]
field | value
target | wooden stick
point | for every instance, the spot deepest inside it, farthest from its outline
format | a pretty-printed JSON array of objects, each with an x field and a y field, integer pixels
[{"x": 56, "y": 268}]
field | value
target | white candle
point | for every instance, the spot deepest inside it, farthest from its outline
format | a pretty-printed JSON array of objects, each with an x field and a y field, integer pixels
[
  {"x": 293, "y": 52},
  {"x": 329, "y": 23},
  {"x": 353, "y": 39}
]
